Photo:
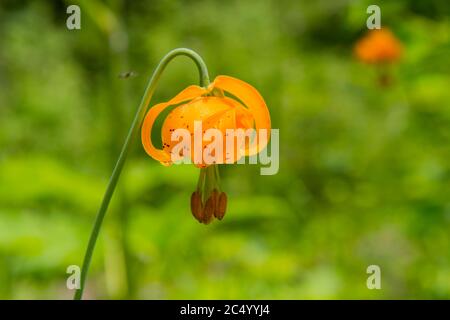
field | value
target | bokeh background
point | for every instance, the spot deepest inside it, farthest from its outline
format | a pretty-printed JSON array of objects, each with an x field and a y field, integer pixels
[{"x": 364, "y": 169}]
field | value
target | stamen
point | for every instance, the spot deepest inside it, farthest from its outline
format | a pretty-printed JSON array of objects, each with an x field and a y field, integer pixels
[
  {"x": 208, "y": 212},
  {"x": 197, "y": 206},
  {"x": 208, "y": 202},
  {"x": 215, "y": 197},
  {"x": 221, "y": 206}
]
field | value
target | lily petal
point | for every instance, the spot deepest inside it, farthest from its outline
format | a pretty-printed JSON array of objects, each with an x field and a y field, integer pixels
[
  {"x": 162, "y": 156},
  {"x": 254, "y": 102}
]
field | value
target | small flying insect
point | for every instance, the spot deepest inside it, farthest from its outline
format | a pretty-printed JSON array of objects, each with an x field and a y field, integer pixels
[{"x": 127, "y": 74}]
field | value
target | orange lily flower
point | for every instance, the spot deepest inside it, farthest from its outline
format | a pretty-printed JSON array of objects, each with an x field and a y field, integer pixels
[
  {"x": 378, "y": 46},
  {"x": 213, "y": 110}
]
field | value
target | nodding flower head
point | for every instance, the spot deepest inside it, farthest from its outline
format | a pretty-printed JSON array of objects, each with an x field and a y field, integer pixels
[
  {"x": 378, "y": 46},
  {"x": 209, "y": 108}
]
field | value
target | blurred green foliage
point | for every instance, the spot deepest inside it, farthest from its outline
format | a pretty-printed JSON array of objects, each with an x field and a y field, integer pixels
[{"x": 364, "y": 170}]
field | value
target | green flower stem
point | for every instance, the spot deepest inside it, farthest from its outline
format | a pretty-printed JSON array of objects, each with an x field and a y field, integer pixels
[{"x": 134, "y": 129}]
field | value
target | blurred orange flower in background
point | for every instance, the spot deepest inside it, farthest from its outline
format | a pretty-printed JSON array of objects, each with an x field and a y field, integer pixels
[{"x": 378, "y": 46}]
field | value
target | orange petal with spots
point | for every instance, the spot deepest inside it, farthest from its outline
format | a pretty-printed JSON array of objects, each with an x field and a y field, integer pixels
[
  {"x": 162, "y": 156},
  {"x": 209, "y": 111},
  {"x": 253, "y": 101}
]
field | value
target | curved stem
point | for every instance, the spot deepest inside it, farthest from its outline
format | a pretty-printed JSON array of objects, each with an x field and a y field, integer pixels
[{"x": 135, "y": 126}]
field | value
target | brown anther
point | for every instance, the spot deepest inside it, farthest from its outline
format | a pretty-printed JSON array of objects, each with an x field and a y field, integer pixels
[
  {"x": 197, "y": 206},
  {"x": 221, "y": 206},
  {"x": 215, "y": 196},
  {"x": 208, "y": 211}
]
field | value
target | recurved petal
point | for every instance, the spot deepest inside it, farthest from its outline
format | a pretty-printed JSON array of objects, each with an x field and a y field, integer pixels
[
  {"x": 189, "y": 93},
  {"x": 254, "y": 102}
]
